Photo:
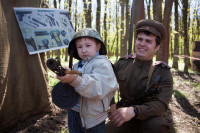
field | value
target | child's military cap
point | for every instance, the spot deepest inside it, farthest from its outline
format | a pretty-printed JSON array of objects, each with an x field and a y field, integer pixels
[
  {"x": 151, "y": 26},
  {"x": 86, "y": 32}
]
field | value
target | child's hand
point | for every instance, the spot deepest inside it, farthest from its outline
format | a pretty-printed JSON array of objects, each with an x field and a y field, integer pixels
[{"x": 68, "y": 77}]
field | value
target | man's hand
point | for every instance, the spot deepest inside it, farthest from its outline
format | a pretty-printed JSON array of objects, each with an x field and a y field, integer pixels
[
  {"x": 112, "y": 107},
  {"x": 121, "y": 115}
]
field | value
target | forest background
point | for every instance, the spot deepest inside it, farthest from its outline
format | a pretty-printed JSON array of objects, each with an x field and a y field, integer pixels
[
  {"x": 112, "y": 19},
  {"x": 24, "y": 78}
]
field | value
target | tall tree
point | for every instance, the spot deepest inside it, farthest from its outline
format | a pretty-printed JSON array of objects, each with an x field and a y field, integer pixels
[
  {"x": 157, "y": 10},
  {"x": 105, "y": 23},
  {"x": 197, "y": 16},
  {"x": 166, "y": 22},
  {"x": 23, "y": 78},
  {"x": 123, "y": 51},
  {"x": 70, "y": 13},
  {"x": 88, "y": 11},
  {"x": 55, "y": 3},
  {"x": 98, "y": 14},
  {"x": 127, "y": 23},
  {"x": 57, "y": 52},
  {"x": 117, "y": 27},
  {"x": 76, "y": 17},
  {"x": 176, "y": 38},
  {"x": 70, "y": 7},
  {"x": 157, "y": 15},
  {"x": 148, "y": 3},
  {"x": 139, "y": 11},
  {"x": 185, "y": 33}
]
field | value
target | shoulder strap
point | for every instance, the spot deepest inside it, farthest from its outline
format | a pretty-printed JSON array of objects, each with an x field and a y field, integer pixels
[
  {"x": 164, "y": 64},
  {"x": 150, "y": 73},
  {"x": 128, "y": 56}
]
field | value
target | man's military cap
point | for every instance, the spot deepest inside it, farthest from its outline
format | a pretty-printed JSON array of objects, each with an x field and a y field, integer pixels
[{"x": 151, "y": 26}]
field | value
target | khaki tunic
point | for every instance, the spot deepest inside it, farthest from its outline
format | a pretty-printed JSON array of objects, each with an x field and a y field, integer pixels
[{"x": 133, "y": 78}]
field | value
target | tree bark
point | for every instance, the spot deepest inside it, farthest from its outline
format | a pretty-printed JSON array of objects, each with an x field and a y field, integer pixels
[
  {"x": 157, "y": 15},
  {"x": 117, "y": 22},
  {"x": 23, "y": 78},
  {"x": 127, "y": 24},
  {"x": 176, "y": 38},
  {"x": 70, "y": 13},
  {"x": 186, "y": 44},
  {"x": 98, "y": 21},
  {"x": 87, "y": 12},
  {"x": 148, "y": 8},
  {"x": 105, "y": 24},
  {"x": 166, "y": 22},
  {"x": 123, "y": 41},
  {"x": 139, "y": 12}
]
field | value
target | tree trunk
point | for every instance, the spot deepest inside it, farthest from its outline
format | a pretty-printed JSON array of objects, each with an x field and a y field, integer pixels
[
  {"x": 55, "y": 3},
  {"x": 166, "y": 22},
  {"x": 117, "y": 22},
  {"x": 127, "y": 24},
  {"x": 70, "y": 13},
  {"x": 75, "y": 15},
  {"x": 105, "y": 24},
  {"x": 139, "y": 12},
  {"x": 198, "y": 24},
  {"x": 176, "y": 38},
  {"x": 186, "y": 45},
  {"x": 23, "y": 78},
  {"x": 109, "y": 45},
  {"x": 157, "y": 10},
  {"x": 70, "y": 7},
  {"x": 98, "y": 21},
  {"x": 148, "y": 8},
  {"x": 157, "y": 15},
  {"x": 87, "y": 12},
  {"x": 123, "y": 41}
]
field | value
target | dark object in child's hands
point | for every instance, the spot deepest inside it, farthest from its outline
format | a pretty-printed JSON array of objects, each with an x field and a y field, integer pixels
[{"x": 63, "y": 95}]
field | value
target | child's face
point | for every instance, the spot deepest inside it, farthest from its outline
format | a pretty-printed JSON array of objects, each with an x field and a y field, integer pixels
[{"x": 87, "y": 47}]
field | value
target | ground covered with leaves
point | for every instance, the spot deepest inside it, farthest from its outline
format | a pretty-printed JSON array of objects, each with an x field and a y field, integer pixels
[{"x": 183, "y": 113}]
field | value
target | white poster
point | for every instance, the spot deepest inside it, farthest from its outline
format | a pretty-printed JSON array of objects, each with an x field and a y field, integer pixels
[{"x": 44, "y": 29}]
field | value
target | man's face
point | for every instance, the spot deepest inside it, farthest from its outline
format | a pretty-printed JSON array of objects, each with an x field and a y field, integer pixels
[
  {"x": 145, "y": 46},
  {"x": 87, "y": 47}
]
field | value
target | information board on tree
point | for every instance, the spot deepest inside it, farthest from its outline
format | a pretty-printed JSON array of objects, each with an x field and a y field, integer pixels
[{"x": 44, "y": 29}]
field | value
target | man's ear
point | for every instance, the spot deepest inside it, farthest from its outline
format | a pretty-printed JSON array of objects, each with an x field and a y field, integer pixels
[{"x": 157, "y": 47}]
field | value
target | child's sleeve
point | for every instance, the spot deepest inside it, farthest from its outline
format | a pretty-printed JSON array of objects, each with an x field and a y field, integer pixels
[{"x": 100, "y": 82}]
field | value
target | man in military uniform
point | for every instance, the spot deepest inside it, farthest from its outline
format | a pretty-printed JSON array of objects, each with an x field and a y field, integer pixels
[{"x": 145, "y": 86}]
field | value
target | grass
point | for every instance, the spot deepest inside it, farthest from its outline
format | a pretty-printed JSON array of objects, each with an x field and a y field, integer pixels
[
  {"x": 197, "y": 86},
  {"x": 64, "y": 131},
  {"x": 179, "y": 95},
  {"x": 52, "y": 79}
]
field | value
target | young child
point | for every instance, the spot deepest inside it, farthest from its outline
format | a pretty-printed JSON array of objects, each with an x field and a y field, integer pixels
[{"x": 96, "y": 86}]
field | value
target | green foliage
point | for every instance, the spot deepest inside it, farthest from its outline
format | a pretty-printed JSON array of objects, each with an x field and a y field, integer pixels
[
  {"x": 52, "y": 79},
  {"x": 197, "y": 86},
  {"x": 178, "y": 94},
  {"x": 117, "y": 96},
  {"x": 64, "y": 131}
]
